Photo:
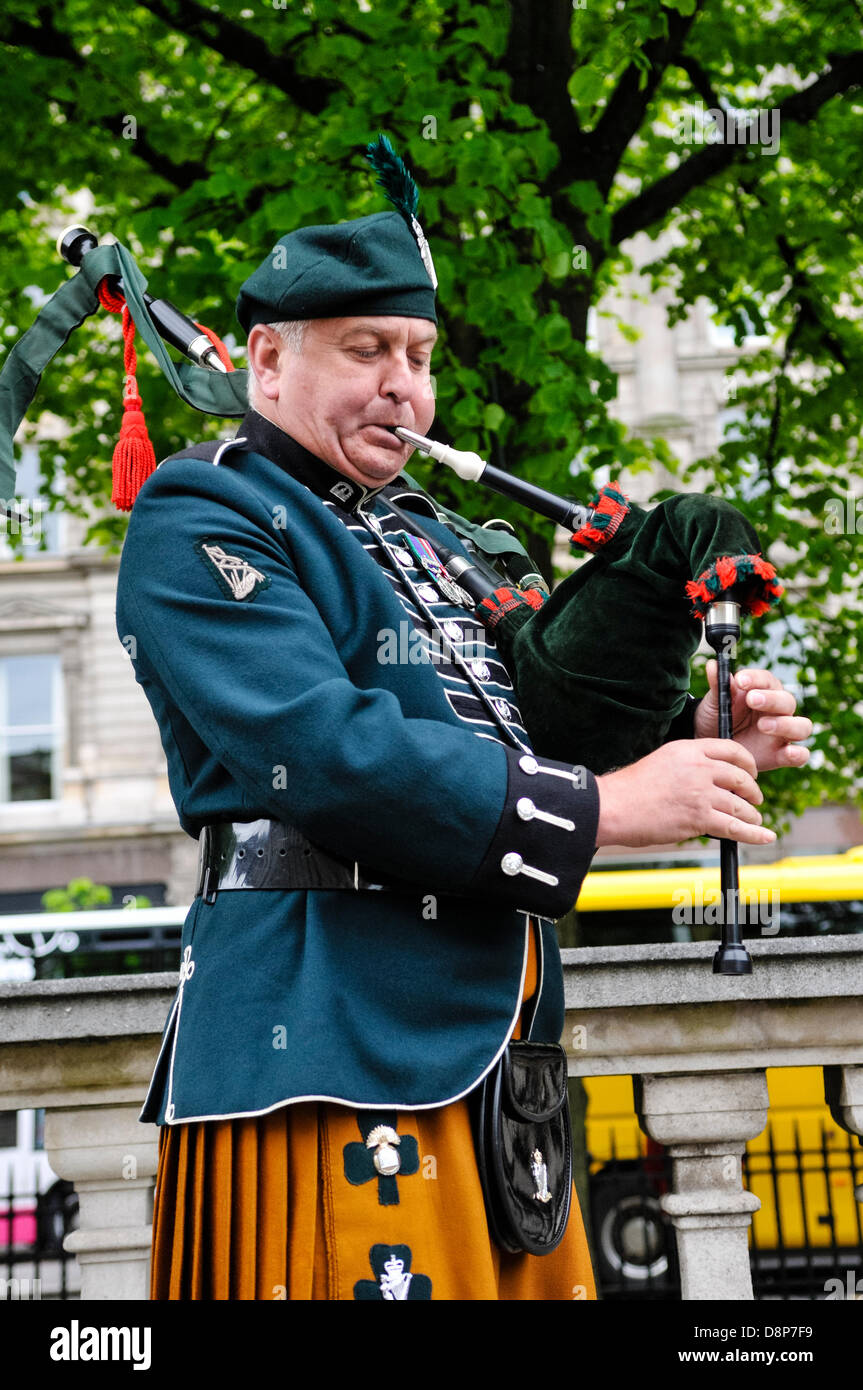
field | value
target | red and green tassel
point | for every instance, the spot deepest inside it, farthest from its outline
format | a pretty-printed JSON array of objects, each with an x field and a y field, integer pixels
[
  {"x": 757, "y": 578},
  {"x": 504, "y": 601},
  {"x": 609, "y": 506}
]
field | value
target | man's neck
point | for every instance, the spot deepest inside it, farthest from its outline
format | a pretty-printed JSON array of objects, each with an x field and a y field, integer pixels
[{"x": 266, "y": 437}]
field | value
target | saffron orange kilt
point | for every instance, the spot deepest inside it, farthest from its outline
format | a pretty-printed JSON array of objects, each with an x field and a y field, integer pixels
[{"x": 262, "y": 1207}]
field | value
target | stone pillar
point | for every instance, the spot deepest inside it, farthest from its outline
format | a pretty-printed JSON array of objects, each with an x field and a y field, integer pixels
[
  {"x": 111, "y": 1159},
  {"x": 705, "y": 1120},
  {"x": 843, "y": 1092}
]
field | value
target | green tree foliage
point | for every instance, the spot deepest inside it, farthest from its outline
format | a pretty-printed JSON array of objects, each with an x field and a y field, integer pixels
[
  {"x": 543, "y": 136},
  {"x": 79, "y": 895}
]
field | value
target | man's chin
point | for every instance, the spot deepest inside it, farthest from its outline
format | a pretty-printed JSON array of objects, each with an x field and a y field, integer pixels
[{"x": 375, "y": 467}]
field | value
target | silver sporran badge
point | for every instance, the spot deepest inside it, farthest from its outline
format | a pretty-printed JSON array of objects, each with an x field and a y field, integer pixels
[{"x": 539, "y": 1173}]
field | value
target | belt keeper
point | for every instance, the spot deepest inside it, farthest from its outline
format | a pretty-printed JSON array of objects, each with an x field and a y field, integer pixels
[{"x": 211, "y": 877}]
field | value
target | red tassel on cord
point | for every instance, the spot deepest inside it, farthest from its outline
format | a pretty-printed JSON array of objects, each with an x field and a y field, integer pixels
[{"x": 134, "y": 457}]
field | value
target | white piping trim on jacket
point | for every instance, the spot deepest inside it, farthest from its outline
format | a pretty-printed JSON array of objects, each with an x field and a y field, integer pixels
[
  {"x": 185, "y": 973},
  {"x": 356, "y": 1104},
  {"x": 228, "y": 444},
  {"x": 387, "y": 545},
  {"x": 169, "y": 1103},
  {"x": 166, "y": 1039}
]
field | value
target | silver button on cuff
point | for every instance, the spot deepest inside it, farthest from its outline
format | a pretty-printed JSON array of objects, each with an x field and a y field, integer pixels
[
  {"x": 513, "y": 864},
  {"x": 528, "y": 811},
  {"x": 530, "y": 766}
]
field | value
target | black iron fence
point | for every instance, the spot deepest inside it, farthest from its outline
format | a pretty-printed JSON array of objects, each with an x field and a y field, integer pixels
[
  {"x": 33, "y": 1224},
  {"x": 805, "y": 1243}
]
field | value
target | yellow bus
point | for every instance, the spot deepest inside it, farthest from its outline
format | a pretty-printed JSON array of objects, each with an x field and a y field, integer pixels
[{"x": 803, "y": 1167}]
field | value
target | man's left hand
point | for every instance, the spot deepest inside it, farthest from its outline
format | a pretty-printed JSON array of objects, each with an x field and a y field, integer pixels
[{"x": 763, "y": 719}]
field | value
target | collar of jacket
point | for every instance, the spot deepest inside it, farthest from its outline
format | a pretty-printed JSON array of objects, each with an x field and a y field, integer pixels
[{"x": 262, "y": 436}]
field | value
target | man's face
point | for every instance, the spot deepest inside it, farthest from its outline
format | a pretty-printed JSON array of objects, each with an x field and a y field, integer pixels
[{"x": 354, "y": 380}]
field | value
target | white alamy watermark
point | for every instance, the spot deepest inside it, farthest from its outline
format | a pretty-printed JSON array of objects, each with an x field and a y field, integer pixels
[
  {"x": 77, "y": 1343},
  {"x": 712, "y": 908},
  {"x": 700, "y": 125},
  {"x": 844, "y": 515},
  {"x": 851, "y": 1291},
  {"x": 410, "y": 646},
  {"x": 22, "y": 516},
  {"x": 20, "y": 1290}
]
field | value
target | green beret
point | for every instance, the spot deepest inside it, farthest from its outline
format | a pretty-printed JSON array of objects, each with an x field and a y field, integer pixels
[{"x": 371, "y": 266}]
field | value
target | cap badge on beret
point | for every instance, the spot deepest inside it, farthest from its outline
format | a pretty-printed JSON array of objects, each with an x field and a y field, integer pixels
[{"x": 401, "y": 190}]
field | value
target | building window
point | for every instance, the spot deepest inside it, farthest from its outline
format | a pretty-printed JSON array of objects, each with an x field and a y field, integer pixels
[
  {"x": 35, "y": 527},
  {"x": 30, "y": 728},
  {"x": 8, "y": 1129}
]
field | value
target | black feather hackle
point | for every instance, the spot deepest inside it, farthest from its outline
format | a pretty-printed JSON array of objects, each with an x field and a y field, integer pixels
[{"x": 397, "y": 184}]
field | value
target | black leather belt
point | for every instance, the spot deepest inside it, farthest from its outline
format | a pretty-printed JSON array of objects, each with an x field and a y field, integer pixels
[{"x": 271, "y": 854}]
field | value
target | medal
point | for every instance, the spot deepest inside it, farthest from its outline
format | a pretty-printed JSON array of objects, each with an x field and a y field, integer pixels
[{"x": 436, "y": 569}]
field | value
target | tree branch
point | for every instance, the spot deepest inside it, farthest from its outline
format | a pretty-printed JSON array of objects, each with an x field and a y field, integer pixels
[
  {"x": 808, "y": 304},
  {"x": 652, "y": 204},
  {"x": 699, "y": 79},
  {"x": 220, "y": 118},
  {"x": 625, "y": 111},
  {"x": 49, "y": 42},
  {"x": 776, "y": 413},
  {"x": 539, "y": 59},
  {"x": 238, "y": 45}
]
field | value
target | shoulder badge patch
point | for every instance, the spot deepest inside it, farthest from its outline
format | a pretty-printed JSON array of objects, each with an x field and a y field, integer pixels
[{"x": 236, "y": 576}]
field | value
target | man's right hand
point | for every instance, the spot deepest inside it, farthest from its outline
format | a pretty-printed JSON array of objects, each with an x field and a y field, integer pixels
[{"x": 704, "y": 786}]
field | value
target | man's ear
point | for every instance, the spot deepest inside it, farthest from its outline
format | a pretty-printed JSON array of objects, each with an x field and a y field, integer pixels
[{"x": 265, "y": 348}]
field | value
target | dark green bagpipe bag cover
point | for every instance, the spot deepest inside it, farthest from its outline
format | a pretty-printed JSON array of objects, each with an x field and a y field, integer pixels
[{"x": 602, "y": 669}]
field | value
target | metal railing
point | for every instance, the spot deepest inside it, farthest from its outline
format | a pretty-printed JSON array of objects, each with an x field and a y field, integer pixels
[
  {"x": 808, "y": 1235},
  {"x": 34, "y": 1223},
  {"x": 806, "y": 1241}
]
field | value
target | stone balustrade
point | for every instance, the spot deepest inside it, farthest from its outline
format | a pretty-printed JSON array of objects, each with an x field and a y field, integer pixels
[{"x": 696, "y": 1045}]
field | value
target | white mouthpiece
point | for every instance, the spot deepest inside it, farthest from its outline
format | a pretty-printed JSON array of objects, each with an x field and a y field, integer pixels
[{"x": 468, "y": 466}]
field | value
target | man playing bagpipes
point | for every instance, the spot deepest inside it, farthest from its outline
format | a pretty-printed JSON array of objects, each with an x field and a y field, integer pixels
[{"x": 383, "y": 853}]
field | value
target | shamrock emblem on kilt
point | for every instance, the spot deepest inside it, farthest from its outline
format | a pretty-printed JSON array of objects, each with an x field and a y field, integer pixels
[
  {"x": 383, "y": 1153},
  {"x": 393, "y": 1281}
]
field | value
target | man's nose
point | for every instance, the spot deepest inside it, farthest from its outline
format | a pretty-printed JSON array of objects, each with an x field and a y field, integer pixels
[{"x": 397, "y": 380}]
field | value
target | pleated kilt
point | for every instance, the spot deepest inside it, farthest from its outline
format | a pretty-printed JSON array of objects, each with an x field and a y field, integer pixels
[{"x": 289, "y": 1205}]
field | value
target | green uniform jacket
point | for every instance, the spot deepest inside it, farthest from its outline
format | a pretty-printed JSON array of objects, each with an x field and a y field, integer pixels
[{"x": 253, "y": 618}]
